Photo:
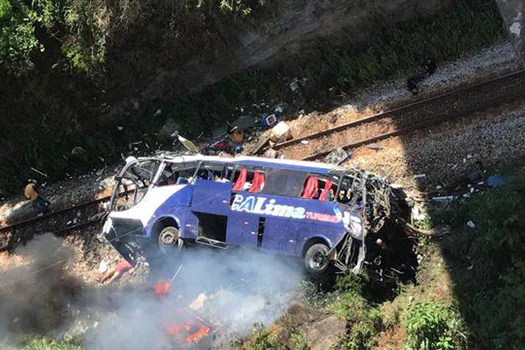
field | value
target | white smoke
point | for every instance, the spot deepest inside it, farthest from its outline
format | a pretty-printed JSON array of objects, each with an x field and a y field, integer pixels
[
  {"x": 231, "y": 289},
  {"x": 235, "y": 288}
]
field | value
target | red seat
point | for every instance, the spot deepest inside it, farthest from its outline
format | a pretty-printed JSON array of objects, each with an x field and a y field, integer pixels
[
  {"x": 241, "y": 180},
  {"x": 257, "y": 183},
  {"x": 311, "y": 188},
  {"x": 327, "y": 186}
]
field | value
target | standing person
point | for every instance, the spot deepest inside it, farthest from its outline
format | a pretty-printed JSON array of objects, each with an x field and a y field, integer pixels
[{"x": 39, "y": 203}]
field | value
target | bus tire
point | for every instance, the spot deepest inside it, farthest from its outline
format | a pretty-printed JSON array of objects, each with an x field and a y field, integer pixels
[
  {"x": 169, "y": 240},
  {"x": 316, "y": 259}
]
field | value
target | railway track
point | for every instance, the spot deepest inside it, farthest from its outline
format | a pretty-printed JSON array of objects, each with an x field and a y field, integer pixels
[
  {"x": 450, "y": 105},
  {"x": 57, "y": 222},
  {"x": 431, "y": 111}
]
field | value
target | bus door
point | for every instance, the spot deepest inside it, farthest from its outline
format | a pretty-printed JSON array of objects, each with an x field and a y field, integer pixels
[
  {"x": 211, "y": 203},
  {"x": 245, "y": 226}
]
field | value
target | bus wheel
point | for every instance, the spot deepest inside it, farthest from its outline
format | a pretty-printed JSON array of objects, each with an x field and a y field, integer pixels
[
  {"x": 316, "y": 259},
  {"x": 169, "y": 239}
]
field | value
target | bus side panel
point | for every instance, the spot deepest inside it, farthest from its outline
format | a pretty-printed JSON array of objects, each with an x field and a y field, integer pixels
[
  {"x": 331, "y": 234},
  {"x": 176, "y": 214},
  {"x": 280, "y": 235},
  {"x": 242, "y": 230}
]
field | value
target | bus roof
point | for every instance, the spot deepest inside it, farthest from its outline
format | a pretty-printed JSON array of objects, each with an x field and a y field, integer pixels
[{"x": 290, "y": 164}]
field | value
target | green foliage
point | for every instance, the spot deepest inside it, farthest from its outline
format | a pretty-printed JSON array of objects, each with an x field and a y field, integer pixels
[
  {"x": 492, "y": 294},
  {"x": 298, "y": 341},
  {"x": 350, "y": 304},
  {"x": 350, "y": 282},
  {"x": 86, "y": 27},
  {"x": 18, "y": 42},
  {"x": 46, "y": 119},
  {"x": 429, "y": 326},
  {"x": 42, "y": 343},
  {"x": 262, "y": 340}
]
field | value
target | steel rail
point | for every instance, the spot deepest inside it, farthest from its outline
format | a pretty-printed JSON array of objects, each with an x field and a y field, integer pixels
[
  {"x": 397, "y": 112},
  {"x": 53, "y": 214},
  {"x": 398, "y": 132}
]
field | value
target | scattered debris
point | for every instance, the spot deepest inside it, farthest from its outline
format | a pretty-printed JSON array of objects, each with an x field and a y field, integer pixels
[
  {"x": 157, "y": 112},
  {"x": 419, "y": 176},
  {"x": 103, "y": 267},
  {"x": 39, "y": 172},
  {"x": 337, "y": 156},
  {"x": 269, "y": 121},
  {"x": 262, "y": 143},
  {"x": 271, "y": 153},
  {"x": 190, "y": 146},
  {"x": 375, "y": 146},
  {"x": 444, "y": 198},
  {"x": 495, "y": 181},
  {"x": 76, "y": 151},
  {"x": 198, "y": 303},
  {"x": 236, "y": 135},
  {"x": 280, "y": 133}
]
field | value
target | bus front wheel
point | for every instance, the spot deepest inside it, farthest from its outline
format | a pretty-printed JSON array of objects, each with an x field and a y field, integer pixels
[
  {"x": 169, "y": 239},
  {"x": 316, "y": 259}
]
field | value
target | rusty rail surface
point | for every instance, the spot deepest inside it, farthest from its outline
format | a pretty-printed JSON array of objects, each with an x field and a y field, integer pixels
[
  {"x": 431, "y": 111},
  {"x": 53, "y": 214}
]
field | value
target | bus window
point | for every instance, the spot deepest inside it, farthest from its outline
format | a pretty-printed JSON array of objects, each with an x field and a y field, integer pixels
[
  {"x": 284, "y": 182},
  {"x": 321, "y": 188},
  {"x": 177, "y": 173},
  {"x": 133, "y": 183},
  {"x": 218, "y": 172},
  {"x": 251, "y": 180},
  {"x": 350, "y": 191}
]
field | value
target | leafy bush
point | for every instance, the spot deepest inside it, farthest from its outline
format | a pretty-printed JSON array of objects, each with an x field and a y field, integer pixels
[
  {"x": 429, "y": 326},
  {"x": 262, "y": 340},
  {"x": 298, "y": 341},
  {"x": 18, "y": 42},
  {"x": 42, "y": 343},
  {"x": 492, "y": 294},
  {"x": 363, "y": 317}
]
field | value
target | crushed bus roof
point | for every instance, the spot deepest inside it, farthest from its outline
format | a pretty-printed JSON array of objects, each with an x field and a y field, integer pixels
[{"x": 321, "y": 168}]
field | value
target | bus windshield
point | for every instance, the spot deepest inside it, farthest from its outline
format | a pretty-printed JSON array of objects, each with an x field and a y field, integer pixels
[{"x": 133, "y": 183}]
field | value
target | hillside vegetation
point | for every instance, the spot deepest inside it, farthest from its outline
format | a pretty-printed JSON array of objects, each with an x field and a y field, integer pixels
[{"x": 65, "y": 66}]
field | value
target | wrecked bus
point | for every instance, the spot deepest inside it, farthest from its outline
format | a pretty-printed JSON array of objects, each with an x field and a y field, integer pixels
[{"x": 316, "y": 212}]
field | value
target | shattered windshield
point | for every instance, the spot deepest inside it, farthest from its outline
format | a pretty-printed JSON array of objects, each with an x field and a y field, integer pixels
[{"x": 133, "y": 183}]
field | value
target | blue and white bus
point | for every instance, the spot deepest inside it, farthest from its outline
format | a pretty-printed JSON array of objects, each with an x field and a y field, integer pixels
[{"x": 316, "y": 212}]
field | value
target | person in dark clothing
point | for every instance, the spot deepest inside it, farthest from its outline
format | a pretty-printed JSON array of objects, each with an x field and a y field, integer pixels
[
  {"x": 430, "y": 65},
  {"x": 39, "y": 203}
]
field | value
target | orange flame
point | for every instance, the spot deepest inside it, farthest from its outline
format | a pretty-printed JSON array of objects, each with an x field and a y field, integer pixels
[
  {"x": 191, "y": 337},
  {"x": 197, "y": 336},
  {"x": 161, "y": 288}
]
